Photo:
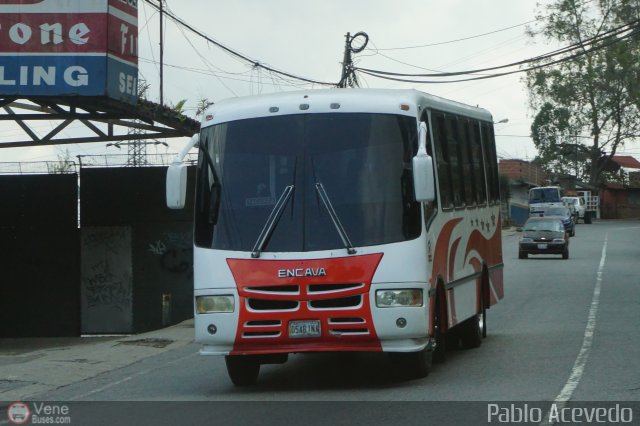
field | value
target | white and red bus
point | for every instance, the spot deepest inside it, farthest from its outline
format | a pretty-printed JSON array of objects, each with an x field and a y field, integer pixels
[{"x": 342, "y": 220}]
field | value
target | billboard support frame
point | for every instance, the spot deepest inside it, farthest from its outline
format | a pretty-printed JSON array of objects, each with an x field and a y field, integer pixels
[{"x": 150, "y": 120}]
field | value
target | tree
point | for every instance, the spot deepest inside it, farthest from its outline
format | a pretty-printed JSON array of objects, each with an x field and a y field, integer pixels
[
  {"x": 65, "y": 164},
  {"x": 554, "y": 134},
  {"x": 595, "y": 92},
  {"x": 203, "y": 104}
]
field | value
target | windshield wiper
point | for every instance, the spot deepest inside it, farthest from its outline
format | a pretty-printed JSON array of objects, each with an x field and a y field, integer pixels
[
  {"x": 272, "y": 221},
  {"x": 334, "y": 217},
  {"x": 215, "y": 190}
]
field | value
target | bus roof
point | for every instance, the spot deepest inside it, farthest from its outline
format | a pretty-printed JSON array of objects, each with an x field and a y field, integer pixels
[{"x": 336, "y": 100}]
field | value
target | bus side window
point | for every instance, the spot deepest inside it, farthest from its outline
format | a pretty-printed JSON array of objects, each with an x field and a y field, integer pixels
[
  {"x": 442, "y": 160},
  {"x": 430, "y": 209},
  {"x": 478, "y": 162},
  {"x": 491, "y": 163},
  {"x": 465, "y": 161},
  {"x": 453, "y": 141}
]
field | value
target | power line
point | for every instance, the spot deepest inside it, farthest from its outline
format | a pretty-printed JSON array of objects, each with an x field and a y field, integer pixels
[
  {"x": 540, "y": 18},
  {"x": 614, "y": 36},
  {"x": 458, "y": 39},
  {"x": 239, "y": 55},
  {"x": 626, "y": 28}
]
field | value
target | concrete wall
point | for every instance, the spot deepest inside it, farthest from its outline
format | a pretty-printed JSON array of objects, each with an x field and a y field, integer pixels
[
  {"x": 158, "y": 250},
  {"x": 39, "y": 256},
  {"x": 620, "y": 203}
]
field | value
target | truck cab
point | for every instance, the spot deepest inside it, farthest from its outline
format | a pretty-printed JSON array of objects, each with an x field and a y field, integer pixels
[{"x": 543, "y": 197}]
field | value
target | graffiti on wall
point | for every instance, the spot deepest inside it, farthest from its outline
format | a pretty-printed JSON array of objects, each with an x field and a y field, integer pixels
[
  {"x": 107, "y": 284},
  {"x": 175, "y": 252},
  {"x": 104, "y": 288}
]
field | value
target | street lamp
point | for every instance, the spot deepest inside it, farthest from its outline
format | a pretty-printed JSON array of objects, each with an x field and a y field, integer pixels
[{"x": 504, "y": 120}]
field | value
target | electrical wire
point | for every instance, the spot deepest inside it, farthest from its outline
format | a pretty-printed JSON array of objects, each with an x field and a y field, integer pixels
[
  {"x": 459, "y": 39},
  {"x": 239, "y": 55},
  {"x": 611, "y": 35},
  {"x": 207, "y": 72},
  {"x": 205, "y": 62},
  {"x": 540, "y": 18}
]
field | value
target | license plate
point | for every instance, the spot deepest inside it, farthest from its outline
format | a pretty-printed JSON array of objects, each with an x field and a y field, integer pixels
[
  {"x": 304, "y": 329},
  {"x": 542, "y": 246}
]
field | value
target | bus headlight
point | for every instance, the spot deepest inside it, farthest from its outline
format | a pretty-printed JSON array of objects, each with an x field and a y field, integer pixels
[
  {"x": 213, "y": 304},
  {"x": 398, "y": 298}
]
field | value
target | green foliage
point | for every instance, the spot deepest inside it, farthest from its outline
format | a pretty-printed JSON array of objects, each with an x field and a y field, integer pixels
[
  {"x": 203, "y": 104},
  {"x": 143, "y": 88},
  {"x": 596, "y": 95},
  {"x": 555, "y": 136},
  {"x": 179, "y": 107},
  {"x": 65, "y": 163}
]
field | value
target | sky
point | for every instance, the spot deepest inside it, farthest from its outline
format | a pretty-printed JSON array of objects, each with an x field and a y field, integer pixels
[{"x": 306, "y": 38}]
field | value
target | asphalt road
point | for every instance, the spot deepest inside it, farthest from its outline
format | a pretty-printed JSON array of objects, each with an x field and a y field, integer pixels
[{"x": 567, "y": 330}]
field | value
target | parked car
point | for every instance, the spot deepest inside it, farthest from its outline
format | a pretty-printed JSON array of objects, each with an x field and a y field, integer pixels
[
  {"x": 577, "y": 205},
  {"x": 544, "y": 235},
  {"x": 568, "y": 220}
]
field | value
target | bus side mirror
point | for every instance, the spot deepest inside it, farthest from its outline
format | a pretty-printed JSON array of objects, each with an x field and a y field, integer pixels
[
  {"x": 177, "y": 176},
  {"x": 176, "y": 186},
  {"x": 423, "y": 184}
]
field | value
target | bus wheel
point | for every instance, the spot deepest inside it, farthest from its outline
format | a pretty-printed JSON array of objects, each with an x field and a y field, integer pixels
[
  {"x": 440, "y": 351},
  {"x": 414, "y": 365},
  {"x": 243, "y": 370},
  {"x": 471, "y": 332},
  {"x": 484, "y": 322}
]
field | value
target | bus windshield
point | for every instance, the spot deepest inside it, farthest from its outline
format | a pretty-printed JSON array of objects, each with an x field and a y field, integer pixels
[{"x": 362, "y": 161}]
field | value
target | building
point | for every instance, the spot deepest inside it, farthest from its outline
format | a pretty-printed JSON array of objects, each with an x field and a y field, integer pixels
[
  {"x": 522, "y": 176},
  {"x": 622, "y": 200}
]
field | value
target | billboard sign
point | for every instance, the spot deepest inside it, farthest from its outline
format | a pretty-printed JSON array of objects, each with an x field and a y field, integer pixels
[{"x": 69, "y": 48}]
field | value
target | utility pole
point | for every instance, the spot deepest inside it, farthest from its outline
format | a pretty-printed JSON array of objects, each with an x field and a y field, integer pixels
[
  {"x": 161, "y": 53},
  {"x": 575, "y": 155},
  {"x": 349, "y": 78},
  {"x": 346, "y": 61}
]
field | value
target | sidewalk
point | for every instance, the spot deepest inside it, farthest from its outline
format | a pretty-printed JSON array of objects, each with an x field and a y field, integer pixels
[
  {"x": 29, "y": 367},
  {"x": 509, "y": 231}
]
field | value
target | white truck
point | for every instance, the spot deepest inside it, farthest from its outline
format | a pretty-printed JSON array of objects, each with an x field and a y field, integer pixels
[
  {"x": 543, "y": 197},
  {"x": 577, "y": 207},
  {"x": 591, "y": 205}
]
